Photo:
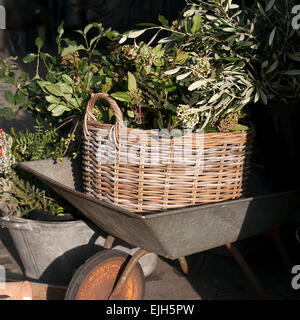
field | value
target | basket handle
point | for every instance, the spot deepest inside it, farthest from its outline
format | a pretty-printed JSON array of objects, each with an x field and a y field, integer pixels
[{"x": 89, "y": 111}]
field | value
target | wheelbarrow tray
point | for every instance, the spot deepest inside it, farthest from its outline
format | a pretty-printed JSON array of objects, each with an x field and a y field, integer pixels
[{"x": 176, "y": 232}]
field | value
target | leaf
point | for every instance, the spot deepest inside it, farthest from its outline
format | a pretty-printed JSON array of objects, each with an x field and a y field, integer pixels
[
  {"x": 80, "y": 32},
  {"x": 59, "y": 110},
  {"x": 260, "y": 8},
  {"x": 214, "y": 97},
  {"x": 88, "y": 79},
  {"x": 244, "y": 44},
  {"x": 229, "y": 29},
  {"x": 189, "y": 13},
  {"x": 60, "y": 29},
  {"x": 25, "y": 76},
  {"x": 74, "y": 102},
  {"x": 293, "y": 56},
  {"x": 209, "y": 129},
  {"x": 132, "y": 86},
  {"x": 272, "y": 35},
  {"x": 183, "y": 76},
  {"x": 70, "y": 42},
  {"x": 65, "y": 88},
  {"x": 54, "y": 89},
  {"x": 265, "y": 64},
  {"x": 211, "y": 18},
  {"x": 293, "y": 72},
  {"x": 231, "y": 59},
  {"x": 20, "y": 98},
  {"x": 135, "y": 33},
  {"x": 7, "y": 113},
  {"x": 272, "y": 67},
  {"x": 71, "y": 49},
  {"x": 9, "y": 97},
  {"x": 123, "y": 39},
  {"x": 249, "y": 93},
  {"x": 239, "y": 127},
  {"x": 197, "y": 23},
  {"x": 130, "y": 113},
  {"x": 165, "y": 40},
  {"x": 172, "y": 71},
  {"x": 67, "y": 79},
  {"x": 52, "y": 106},
  {"x": 53, "y": 99},
  {"x": 160, "y": 122},
  {"x": 182, "y": 56},
  {"x": 163, "y": 20},
  {"x": 197, "y": 84},
  {"x": 171, "y": 107},
  {"x": 83, "y": 65},
  {"x": 121, "y": 96},
  {"x": 88, "y": 28},
  {"x": 94, "y": 40},
  {"x": 29, "y": 58},
  {"x": 270, "y": 5},
  {"x": 263, "y": 96},
  {"x": 39, "y": 43}
]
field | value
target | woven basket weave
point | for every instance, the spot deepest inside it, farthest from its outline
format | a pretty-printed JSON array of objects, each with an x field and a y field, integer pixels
[{"x": 142, "y": 170}]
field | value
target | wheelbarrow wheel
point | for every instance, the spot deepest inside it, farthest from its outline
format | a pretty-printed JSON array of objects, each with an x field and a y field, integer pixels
[{"x": 97, "y": 277}]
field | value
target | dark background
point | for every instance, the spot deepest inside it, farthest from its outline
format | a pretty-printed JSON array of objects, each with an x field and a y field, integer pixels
[{"x": 27, "y": 19}]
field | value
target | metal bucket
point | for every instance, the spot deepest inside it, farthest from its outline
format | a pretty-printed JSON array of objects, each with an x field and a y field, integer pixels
[{"x": 52, "y": 251}]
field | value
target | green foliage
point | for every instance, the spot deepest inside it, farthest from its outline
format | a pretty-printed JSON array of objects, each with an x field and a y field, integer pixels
[
  {"x": 23, "y": 192},
  {"x": 203, "y": 65},
  {"x": 71, "y": 77},
  {"x": 277, "y": 59},
  {"x": 41, "y": 144},
  {"x": 27, "y": 193}
]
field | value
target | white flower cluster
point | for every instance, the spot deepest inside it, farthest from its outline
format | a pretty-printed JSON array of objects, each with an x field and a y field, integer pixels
[
  {"x": 6, "y": 158},
  {"x": 144, "y": 55},
  {"x": 201, "y": 67},
  {"x": 189, "y": 117}
]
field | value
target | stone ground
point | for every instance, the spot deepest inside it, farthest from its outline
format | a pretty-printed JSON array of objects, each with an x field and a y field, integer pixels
[{"x": 216, "y": 277}]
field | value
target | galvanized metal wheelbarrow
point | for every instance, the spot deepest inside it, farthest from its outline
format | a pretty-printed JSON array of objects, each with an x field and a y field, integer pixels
[{"x": 173, "y": 234}]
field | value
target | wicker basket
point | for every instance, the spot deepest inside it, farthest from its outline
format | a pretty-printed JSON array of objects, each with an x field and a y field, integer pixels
[{"x": 144, "y": 170}]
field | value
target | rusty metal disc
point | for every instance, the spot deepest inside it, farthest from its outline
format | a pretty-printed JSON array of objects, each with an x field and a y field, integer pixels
[{"x": 97, "y": 277}]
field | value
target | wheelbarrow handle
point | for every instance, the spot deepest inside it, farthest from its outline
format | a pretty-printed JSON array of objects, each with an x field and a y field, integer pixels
[{"x": 6, "y": 222}]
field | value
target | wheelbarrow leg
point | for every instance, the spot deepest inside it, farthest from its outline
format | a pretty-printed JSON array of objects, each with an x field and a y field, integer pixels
[
  {"x": 247, "y": 270},
  {"x": 109, "y": 241},
  {"x": 184, "y": 265},
  {"x": 125, "y": 274},
  {"x": 275, "y": 235}
]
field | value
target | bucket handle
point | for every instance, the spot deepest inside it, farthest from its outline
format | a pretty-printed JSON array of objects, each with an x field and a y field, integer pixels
[
  {"x": 89, "y": 112},
  {"x": 5, "y": 222}
]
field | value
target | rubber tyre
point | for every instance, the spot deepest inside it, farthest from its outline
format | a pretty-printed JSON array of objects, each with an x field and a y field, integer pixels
[{"x": 95, "y": 279}]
